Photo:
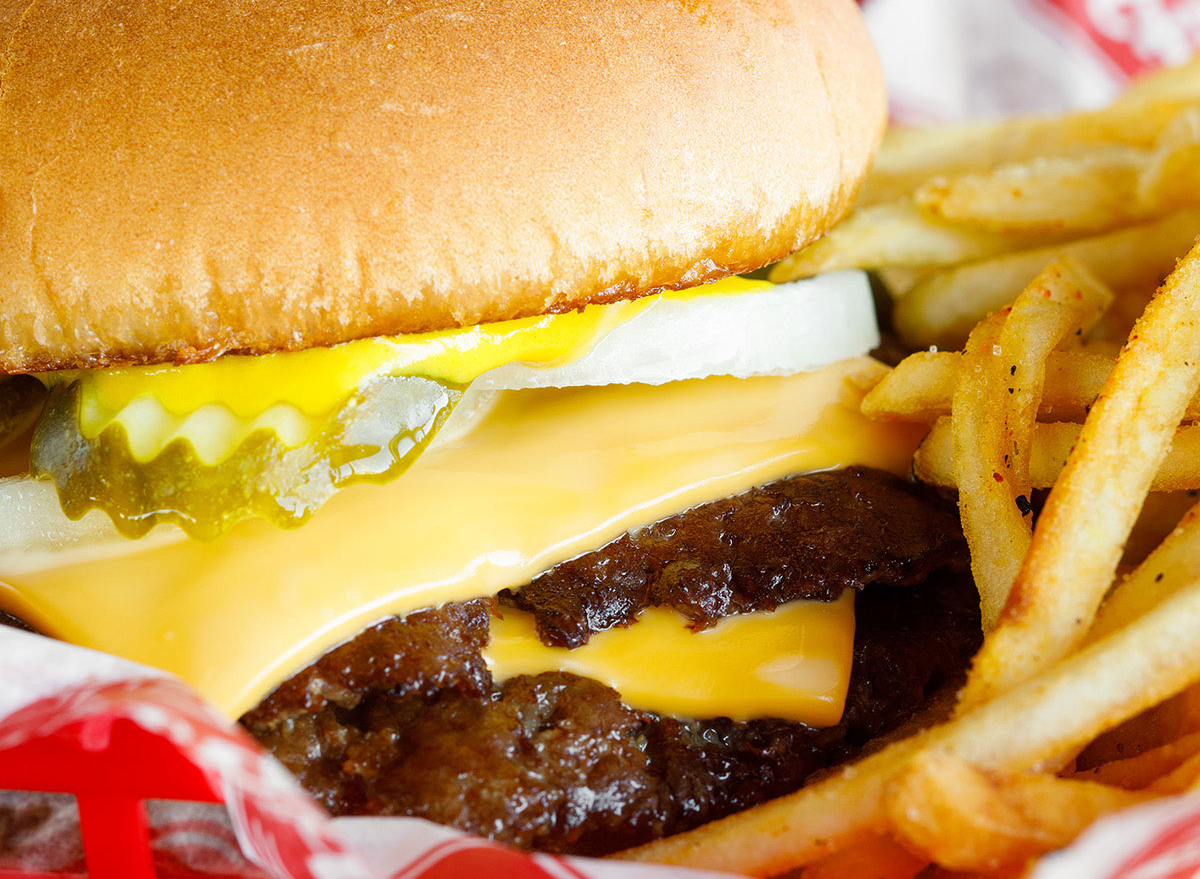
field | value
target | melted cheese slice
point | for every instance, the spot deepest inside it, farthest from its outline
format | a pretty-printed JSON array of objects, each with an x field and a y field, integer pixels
[
  {"x": 792, "y": 662},
  {"x": 546, "y": 476}
]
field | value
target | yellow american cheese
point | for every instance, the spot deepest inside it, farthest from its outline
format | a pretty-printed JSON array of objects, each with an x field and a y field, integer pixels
[
  {"x": 792, "y": 662},
  {"x": 545, "y": 476}
]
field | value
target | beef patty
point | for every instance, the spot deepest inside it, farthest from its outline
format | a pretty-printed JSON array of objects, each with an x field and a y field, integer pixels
[{"x": 405, "y": 719}]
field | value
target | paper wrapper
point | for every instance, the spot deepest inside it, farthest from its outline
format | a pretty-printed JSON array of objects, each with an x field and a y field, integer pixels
[
  {"x": 945, "y": 59},
  {"x": 958, "y": 59}
]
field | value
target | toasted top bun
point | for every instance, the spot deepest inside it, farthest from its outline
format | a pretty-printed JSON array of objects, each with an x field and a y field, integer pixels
[{"x": 181, "y": 180}]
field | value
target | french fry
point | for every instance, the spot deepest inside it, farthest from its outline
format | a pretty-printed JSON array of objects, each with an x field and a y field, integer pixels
[
  {"x": 992, "y": 430},
  {"x": 1171, "y": 181},
  {"x": 1092, "y": 508},
  {"x": 1051, "y": 447},
  {"x": 1161, "y": 512},
  {"x": 1063, "y": 299},
  {"x": 824, "y": 817},
  {"x": 1184, "y": 777},
  {"x": 921, "y": 385},
  {"x": 893, "y": 235},
  {"x": 877, "y": 857},
  {"x": 898, "y": 281},
  {"x": 964, "y": 818},
  {"x": 1048, "y": 715},
  {"x": 941, "y": 309},
  {"x": 1166, "y": 722},
  {"x": 1135, "y": 773},
  {"x": 1008, "y": 209},
  {"x": 911, "y": 156},
  {"x": 1175, "y": 562},
  {"x": 1073, "y": 196},
  {"x": 1073, "y": 381},
  {"x": 1182, "y": 130},
  {"x": 995, "y": 528},
  {"x": 918, "y": 388},
  {"x": 1064, "y": 195},
  {"x": 1167, "y": 83}
]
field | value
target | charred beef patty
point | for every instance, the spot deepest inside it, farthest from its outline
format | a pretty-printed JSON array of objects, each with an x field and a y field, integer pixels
[
  {"x": 405, "y": 718},
  {"x": 806, "y": 537}
]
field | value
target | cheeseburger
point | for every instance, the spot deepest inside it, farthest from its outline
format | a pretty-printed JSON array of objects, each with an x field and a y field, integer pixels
[{"x": 389, "y": 372}]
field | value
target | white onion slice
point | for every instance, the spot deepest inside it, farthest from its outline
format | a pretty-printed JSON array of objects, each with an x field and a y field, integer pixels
[
  {"x": 35, "y": 533},
  {"x": 794, "y": 327}
]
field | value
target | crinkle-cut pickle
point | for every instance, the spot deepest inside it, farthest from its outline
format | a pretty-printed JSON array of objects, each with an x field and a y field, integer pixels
[{"x": 379, "y": 431}]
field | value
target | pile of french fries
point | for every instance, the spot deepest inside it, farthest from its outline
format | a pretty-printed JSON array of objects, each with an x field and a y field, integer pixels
[
  {"x": 1026, "y": 255},
  {"x": 957, "y": 220}
]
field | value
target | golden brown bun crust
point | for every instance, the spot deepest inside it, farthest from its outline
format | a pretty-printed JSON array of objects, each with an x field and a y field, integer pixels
[{"x": 179, "y": 180}]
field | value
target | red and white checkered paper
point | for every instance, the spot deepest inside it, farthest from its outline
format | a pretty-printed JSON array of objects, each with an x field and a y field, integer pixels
[
  {"x": 945, "y": 59},
  {"x": 269, "y": 825},
  {"x": 957, "y": 59}
]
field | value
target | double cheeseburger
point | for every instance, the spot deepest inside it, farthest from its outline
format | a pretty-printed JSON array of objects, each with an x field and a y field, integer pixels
[{"x": 388, "y": 372}]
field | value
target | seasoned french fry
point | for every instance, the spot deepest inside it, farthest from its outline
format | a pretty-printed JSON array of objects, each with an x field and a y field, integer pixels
[
  {"x": 1078, "y": 195},
  {"x": 1169, "y": 721},
  {"x": 877, "y": 857},
  {"x": 893, "y": 235},
  {"x": 1063, "y": 299},
  {"x": 921, "y": 385},
  {"x": 1135, "y": 773},
  {"x": 1161, "y": 512},
  {"x": 941, "y": 309},
  {"x": 965, "y": 818},
  {"x": 1050, "y": 714},
  {"x": 1052, "y": 444},
  {"x": 1092, "y": 508},
  {"x": 1174, "y": 563},
  {"x": 995, "y": 528},
  {"x": 918, "y": 388},
  {"x": 992, "y": 430},
  {"x": 1149, "y": 653},
  {"x": 911, "y": 156},
  {"x": 1074, "y": 196}
]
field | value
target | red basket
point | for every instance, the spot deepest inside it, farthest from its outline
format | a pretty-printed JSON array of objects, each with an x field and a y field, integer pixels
[{"x": 111, "y": 767}]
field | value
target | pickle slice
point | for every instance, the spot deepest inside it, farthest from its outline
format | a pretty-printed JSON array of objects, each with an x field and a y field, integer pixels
[{"x": 373, "y": 437}]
